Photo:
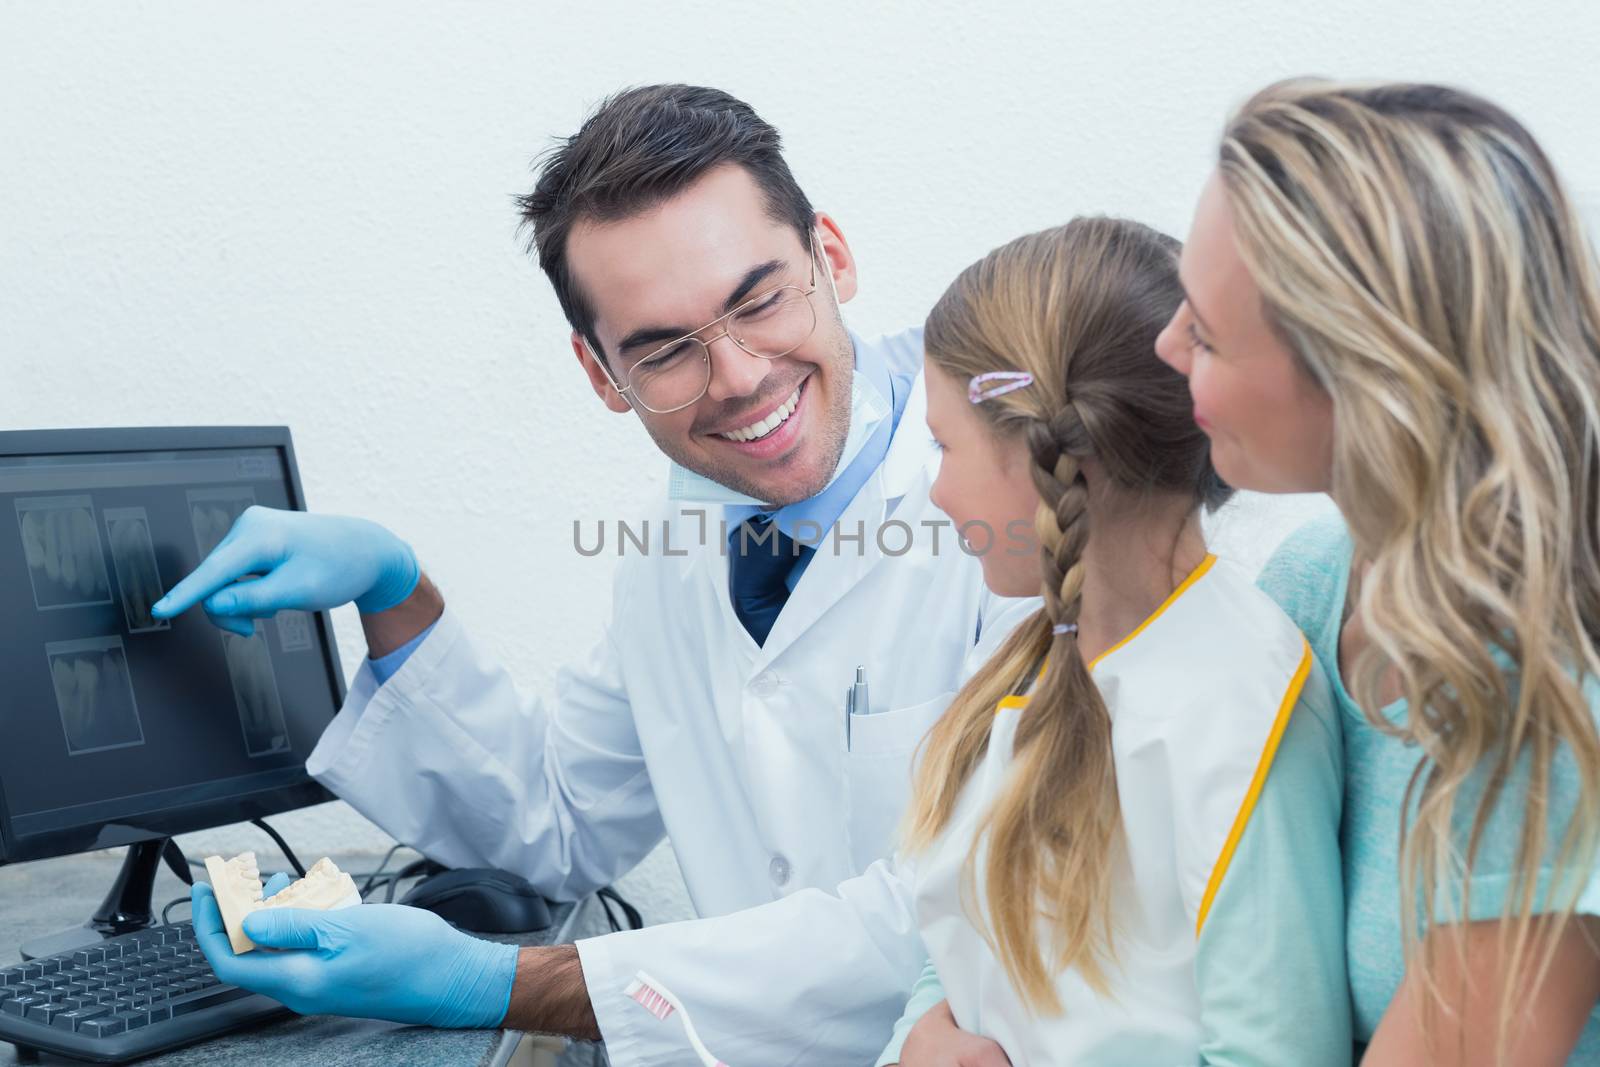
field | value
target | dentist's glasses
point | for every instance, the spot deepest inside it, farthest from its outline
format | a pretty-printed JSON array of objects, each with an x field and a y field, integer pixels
[{"x": 677, "y": 374}]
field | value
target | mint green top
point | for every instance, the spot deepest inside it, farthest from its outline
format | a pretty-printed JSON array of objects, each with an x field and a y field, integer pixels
[
  {"x": 1269, "y": 965},
  {"x": 1309, "y": 577}
]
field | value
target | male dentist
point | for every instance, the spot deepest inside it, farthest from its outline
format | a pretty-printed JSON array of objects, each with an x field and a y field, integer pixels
[{"x": 703, "y": 291}]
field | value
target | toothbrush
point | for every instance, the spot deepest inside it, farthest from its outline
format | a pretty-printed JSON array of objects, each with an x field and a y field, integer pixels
[{"x": 658, "y": 1000}]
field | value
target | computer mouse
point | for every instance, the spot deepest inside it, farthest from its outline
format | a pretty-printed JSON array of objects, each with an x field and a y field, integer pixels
[{"x": 483, "y": 900}]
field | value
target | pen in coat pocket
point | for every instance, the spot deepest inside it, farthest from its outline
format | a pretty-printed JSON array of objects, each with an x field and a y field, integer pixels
[{"x": 856, "y": 702}]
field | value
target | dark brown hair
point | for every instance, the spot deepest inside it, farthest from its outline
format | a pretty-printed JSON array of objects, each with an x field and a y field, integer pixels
[{"x": 641, "y": 147}]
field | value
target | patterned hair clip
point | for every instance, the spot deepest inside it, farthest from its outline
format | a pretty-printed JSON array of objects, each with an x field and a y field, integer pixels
[
  {"x": 1064, "y": 628},
  {"x": 978, "y": 389}
]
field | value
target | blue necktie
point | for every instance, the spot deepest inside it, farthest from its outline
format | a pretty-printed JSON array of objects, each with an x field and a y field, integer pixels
[{"x": 760, "y": 559}]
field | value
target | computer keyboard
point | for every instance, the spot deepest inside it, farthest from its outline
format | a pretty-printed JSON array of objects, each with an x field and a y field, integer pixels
[{"x": 125, "y": 997}]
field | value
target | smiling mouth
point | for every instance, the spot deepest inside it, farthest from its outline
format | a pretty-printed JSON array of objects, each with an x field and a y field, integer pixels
[{"x": 762, "y": 427}]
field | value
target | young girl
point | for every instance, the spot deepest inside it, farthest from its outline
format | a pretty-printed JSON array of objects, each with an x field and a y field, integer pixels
[
  {"x": 1390, "y": 299},
  {"x": 1104, "y": 871}
]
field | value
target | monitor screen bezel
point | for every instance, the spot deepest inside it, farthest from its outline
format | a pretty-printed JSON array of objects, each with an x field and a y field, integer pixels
[{"x": 185, "y": 818}]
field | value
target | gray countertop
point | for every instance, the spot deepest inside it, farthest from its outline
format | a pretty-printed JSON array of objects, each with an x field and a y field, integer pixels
[{"x": 42, "y": 897}]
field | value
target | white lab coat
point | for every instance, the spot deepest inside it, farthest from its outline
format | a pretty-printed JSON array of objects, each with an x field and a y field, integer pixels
[
  {"x": 678, "y": 723},
  {"x": 1199, "y": 698}
]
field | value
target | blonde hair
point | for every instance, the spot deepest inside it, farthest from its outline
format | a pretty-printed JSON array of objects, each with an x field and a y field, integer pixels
[
  {"x": 1416, "y": 251},
  {"x": 1079, "y": 307}
]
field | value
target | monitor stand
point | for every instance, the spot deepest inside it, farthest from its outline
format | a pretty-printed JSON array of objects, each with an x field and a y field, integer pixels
[{"x": 125, "y": 908}]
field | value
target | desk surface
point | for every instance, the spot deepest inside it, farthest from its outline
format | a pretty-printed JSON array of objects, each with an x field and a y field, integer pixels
[{"x": 39, "y": 898}]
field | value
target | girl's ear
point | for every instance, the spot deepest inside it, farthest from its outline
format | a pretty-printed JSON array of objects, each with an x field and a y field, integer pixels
[{"x": 1015, "y": 456}]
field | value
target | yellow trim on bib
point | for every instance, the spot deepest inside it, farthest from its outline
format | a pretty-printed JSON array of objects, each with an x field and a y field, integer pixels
[
  {"x": 1183, "y": 587},
  {"x": 1285, "y": 710},
  {"x": 1016, "y": 701}
]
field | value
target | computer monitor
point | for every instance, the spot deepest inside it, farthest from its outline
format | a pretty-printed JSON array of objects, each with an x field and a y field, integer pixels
[{"x": 121, "y": 728}]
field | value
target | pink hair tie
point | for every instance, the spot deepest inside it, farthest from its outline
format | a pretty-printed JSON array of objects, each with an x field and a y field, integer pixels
[{"x": 978, "y": 389}]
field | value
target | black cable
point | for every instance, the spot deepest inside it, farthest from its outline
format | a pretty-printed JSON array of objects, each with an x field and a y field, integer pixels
[
  {"x": 177, "y": 861},
  {"x": 167, "y": 910},
  {"x": 424, "y": 867},
  {"x": 635, "y": 920},
  {"x": 611, "y": 920},
  {"x": 288, "y": 853},
  {"x": 373, "y": 879}
]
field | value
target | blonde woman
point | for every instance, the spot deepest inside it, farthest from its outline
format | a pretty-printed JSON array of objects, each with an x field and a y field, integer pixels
[
  {"x": 1389, "y": 298},
  {"x": 1104, "y": 871}
]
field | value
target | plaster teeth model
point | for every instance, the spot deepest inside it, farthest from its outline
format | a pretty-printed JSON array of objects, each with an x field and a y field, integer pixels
[
  {"x": 237, "y": 885},
  {"x": 325, "y": 887}
]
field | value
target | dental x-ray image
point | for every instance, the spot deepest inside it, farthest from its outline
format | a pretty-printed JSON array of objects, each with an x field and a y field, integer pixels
[
  {"x": 62, "y": 547},
  {"x": 213, "y": 513},
  {"x": 133, "y": 555},
  {"x": 255, "y": 690},
  {"x": 94, "y": 695},
  {"x": 294, "y": 630}
]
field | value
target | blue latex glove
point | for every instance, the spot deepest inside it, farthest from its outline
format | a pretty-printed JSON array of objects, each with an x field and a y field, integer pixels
[
  {"x": 376, "y": 961},
  {"x": 305, "y": 562}
]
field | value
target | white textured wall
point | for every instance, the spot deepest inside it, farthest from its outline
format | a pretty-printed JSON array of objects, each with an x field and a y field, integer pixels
[{"x": 299, "y": 213}]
